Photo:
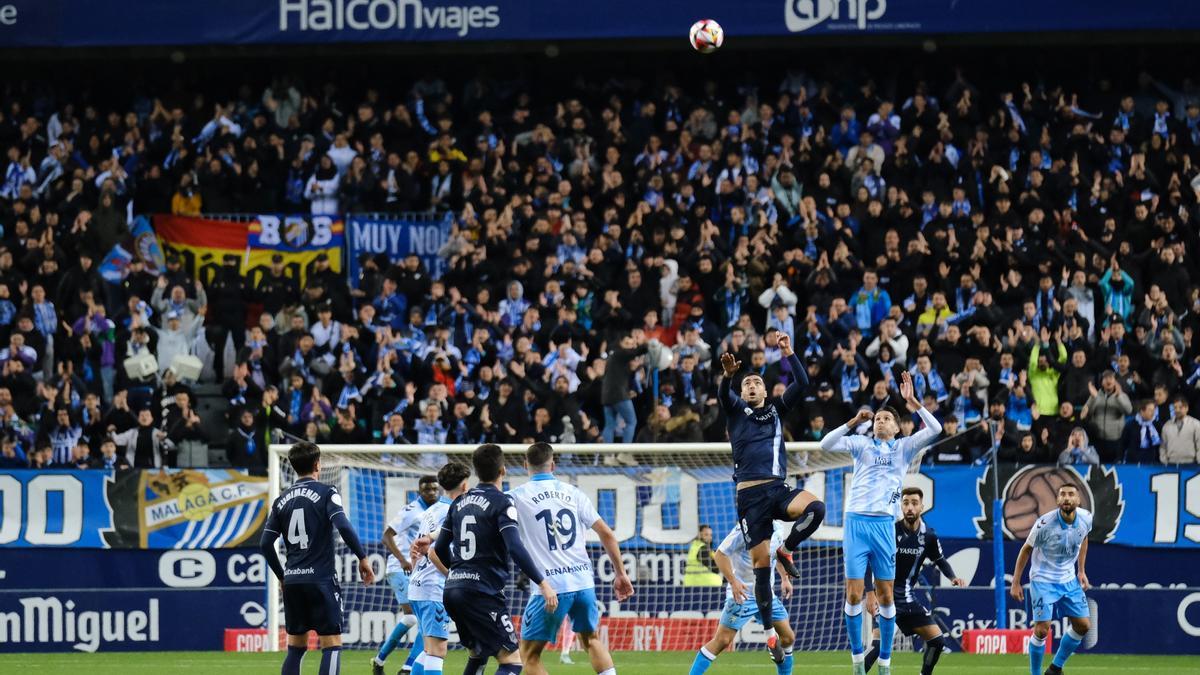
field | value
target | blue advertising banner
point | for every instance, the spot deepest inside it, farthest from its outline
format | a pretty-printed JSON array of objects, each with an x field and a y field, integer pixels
[
  {"x": 1133, "y": 505},
  {"x": 127, "y": 600},
  {"x": 72, "y": 23},
  {"x": 172, "y": 508},
  {"x": 397, "y": 239}
]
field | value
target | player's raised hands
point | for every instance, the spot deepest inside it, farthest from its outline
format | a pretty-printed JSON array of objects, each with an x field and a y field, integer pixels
[
  {"x": 366, "y": 571},
  {"x": 862, "y": 416},
  {"x": 730, "y": 364},
  {"x": 909, "y": 392},
  {"x": 785, "y": 345}
]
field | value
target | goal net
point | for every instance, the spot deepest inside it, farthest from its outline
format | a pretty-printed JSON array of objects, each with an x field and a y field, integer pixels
[{"x": 655, "y": 497}]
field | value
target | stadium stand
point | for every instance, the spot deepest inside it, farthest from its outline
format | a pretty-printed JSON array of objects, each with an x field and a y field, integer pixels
[{"x": 1027, "y": 248}]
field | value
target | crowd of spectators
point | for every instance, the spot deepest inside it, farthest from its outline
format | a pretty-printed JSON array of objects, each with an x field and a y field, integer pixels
[{"x": 1027, "y": 252}]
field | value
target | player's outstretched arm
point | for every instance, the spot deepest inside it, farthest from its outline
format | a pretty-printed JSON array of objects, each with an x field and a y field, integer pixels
[
  {"x": 729, "y": 368},
  {"x": 795, "y": 390},
  {"x": 932, "y": 427},
  {"x": 266, "y": 546},
  {"x": 835, "y": 440},
  {"x": 622, "y": 586}
]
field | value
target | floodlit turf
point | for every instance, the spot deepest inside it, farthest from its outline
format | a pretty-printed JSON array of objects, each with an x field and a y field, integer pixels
[{"x": 628, "y": 663}]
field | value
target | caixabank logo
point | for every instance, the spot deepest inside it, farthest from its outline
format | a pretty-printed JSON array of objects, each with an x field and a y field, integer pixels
[
  {"x": 1027, "y": 492},
  {"x": 802, "y": 15}
]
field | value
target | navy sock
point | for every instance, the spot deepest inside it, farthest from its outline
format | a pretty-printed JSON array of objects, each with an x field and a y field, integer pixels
[
  {"x": 331, "y": 661},
  {"x": 805, "y": 525},
  {"x": 933, "y": 651},
  {"x": 475, "y": 665},
  {"x": 509, "y": 669},
  {"x": 762, "y": 594},
  {"x": 872, "y": 655},
  {"x": 293, "y": 660}
]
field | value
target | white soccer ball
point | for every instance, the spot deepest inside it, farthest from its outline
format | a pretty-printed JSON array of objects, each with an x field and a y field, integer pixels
[{"x": 706, "y": 36}]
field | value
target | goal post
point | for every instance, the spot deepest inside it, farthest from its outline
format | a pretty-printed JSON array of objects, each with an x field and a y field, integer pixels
[{"x": 654, "y": 496}]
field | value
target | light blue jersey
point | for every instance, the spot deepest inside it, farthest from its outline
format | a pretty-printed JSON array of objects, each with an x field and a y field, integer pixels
[
  {"x": 1056, "y": 545},
  {"x": 405, "y": 525},
  {"x": 427, "y": 582},
  {"x": 880, "y": 466}
]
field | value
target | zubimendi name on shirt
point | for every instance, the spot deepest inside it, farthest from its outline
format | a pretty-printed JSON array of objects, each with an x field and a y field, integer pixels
[{"x": 369, "y": 15}]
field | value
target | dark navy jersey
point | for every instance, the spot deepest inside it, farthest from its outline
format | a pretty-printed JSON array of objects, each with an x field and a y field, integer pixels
[
  {"x": 479, "y": 555},
  {"x": 302, "y": 516},
  {"x": 756, "y": 434},
  {"x": 914, "y": 548}
]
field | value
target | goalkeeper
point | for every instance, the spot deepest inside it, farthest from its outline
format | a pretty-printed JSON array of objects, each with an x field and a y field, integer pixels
[{"x": 755, "y": 424}]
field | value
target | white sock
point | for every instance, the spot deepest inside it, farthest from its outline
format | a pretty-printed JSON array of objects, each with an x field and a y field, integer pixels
[
  {"x": 707, "y": 654},
  {"x": 858, "y": 658},
  {"x": 434, "y": 663},
  {"x": 1039, "y": 641},
  {"x": 610, "y": 671},
  {"x": 886, "y": 663}
]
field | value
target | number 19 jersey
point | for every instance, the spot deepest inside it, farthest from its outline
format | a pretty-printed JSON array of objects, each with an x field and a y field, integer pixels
[{"x": 554, "y": 518}]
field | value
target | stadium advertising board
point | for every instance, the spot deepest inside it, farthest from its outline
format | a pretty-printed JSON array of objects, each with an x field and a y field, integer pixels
[
  {"x": 55, "y": 600},
  {"x": 169, "y": 509},
  {"x": 55, "y": 23},
  {"x": 201, "y": 243},
  {"x": 396, "y": 239},
  {"x": 1134, "y": 505}
]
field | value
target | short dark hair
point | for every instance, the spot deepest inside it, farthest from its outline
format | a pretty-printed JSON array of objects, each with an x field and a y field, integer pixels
[
  {"x": 912, "y": 491},
  {"x": 1068, "y": 486},
  {"x": 892, "y": 411},
  {"x": 539, "y": 454},
  {"x": 304, "y": 457},
  {"x": 488, "y": 460},
  {"x": 426, "y": 480},
  {"x": 452, "y": 475}
]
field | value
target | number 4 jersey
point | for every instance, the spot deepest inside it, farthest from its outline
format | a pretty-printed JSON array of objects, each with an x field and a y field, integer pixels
[
  {"x": 304, "y": 515},
  {"x": 554, "y": 518}
]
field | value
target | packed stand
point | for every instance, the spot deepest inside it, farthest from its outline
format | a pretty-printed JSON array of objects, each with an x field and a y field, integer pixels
[{"x": 1027, "y": 253}]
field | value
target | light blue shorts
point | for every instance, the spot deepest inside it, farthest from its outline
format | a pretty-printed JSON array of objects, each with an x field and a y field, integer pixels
[
  {"x": 432, "y": 619},
  {"x": 869, "y": 539},
  {"x": 735, "y": 616},
  {"x": 1068, "y": 598},
  {"x": 540, "y": 626},
  {"x": 399, "y": 583}
]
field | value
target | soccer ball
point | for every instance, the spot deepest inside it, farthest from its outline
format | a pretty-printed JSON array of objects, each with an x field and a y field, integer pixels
[{"x": 706, "y": 36}]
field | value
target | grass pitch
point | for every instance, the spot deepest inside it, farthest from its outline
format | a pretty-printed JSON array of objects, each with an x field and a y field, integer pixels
[{"x": 628, "y": 663}]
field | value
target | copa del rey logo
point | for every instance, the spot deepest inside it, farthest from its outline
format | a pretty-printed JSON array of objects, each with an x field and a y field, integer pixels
[{"x": 801, "y": 15}]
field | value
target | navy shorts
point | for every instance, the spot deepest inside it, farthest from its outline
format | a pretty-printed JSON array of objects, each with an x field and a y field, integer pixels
[
  {"x": 760, "y": 506},
  {"x": 483, "y": 623},
  {"x": 912, "y": 615},
  {"x": 312, "y": 606}
]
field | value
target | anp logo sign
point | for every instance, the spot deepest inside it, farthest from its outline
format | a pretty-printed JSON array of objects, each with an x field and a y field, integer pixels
[{"x": 801, "y": 15}]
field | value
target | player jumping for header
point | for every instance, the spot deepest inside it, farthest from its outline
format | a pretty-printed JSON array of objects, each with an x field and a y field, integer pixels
[
  {"x": 755, "y": 425},
  {"x": 880, "y": 464},
  {"x": 1058, "y": 544},
  {"x": 308, "y": 511}
]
